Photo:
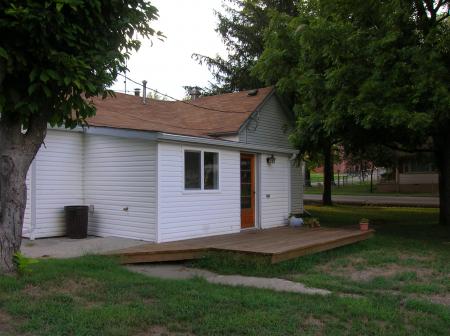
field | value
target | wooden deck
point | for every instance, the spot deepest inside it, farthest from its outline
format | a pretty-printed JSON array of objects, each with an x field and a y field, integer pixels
[{"x": 278, "y": 244}]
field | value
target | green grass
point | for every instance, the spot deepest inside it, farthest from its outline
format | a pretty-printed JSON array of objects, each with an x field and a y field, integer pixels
[
  {"x": 358, "y": 189},
  {"x": 96, "y": 296},
  {"x": 408, "y": 257}
]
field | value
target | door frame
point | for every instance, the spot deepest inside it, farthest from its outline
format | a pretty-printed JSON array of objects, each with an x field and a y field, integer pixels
[{"x": 256, "y": 184}]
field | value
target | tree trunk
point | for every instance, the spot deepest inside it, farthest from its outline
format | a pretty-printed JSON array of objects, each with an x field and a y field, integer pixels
[
  {"x": 327, "y": 176},
  {"x": 371, "y": 179},
  {"x": 17, "y": 151},
  {"x": 307, "y": 176},
  {"x": 443, "y": 164}
]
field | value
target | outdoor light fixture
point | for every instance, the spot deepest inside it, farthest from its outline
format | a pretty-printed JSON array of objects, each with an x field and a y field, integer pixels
[{"x": 271, "y": 160}]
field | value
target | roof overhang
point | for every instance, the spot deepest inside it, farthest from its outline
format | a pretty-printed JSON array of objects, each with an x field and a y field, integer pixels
[
  {"x": 164, "y": 137},
  {"x": 176, "y": 138}
]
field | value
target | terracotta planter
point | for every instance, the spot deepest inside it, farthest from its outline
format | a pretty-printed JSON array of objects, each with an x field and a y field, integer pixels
[{"x": 364, "y": 226}]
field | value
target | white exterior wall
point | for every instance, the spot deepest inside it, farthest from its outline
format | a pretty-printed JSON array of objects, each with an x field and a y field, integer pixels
[
  {"x": 59, "y": 180},
  {"x": 268, "y": 127},
  {"x": 189, "y": 214},
  {"x": 274, "y": 191},
  {"x": 120, "y": 183}
]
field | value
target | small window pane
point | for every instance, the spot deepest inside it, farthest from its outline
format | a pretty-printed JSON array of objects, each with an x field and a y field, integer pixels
[
  {"x": 192, "y": 170},
  {"x": 211, "y": 172}
]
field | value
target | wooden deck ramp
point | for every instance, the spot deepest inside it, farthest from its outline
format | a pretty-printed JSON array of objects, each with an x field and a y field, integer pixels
[{"x": 278, "y": 244}]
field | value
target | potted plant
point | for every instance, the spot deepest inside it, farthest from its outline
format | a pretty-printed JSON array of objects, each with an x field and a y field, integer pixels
[
  {"x": 364, "y": 224},
  {"x": 312, "y": 222}
]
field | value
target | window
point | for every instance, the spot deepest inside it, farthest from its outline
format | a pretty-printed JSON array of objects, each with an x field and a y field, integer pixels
[
  {"x": 201, "y": 170},
  {"x": 211, "y": 170},
  {"x": 192, "y": 167}
]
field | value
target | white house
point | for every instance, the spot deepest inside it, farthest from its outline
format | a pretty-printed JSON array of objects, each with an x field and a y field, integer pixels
[{"x": 164, "y": 171}]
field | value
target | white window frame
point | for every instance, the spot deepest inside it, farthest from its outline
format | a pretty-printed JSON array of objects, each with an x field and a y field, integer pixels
[{"x": 202, "y": 171}]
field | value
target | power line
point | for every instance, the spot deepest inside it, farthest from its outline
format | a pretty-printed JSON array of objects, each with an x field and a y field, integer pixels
[{"x": 184, "y": 101}]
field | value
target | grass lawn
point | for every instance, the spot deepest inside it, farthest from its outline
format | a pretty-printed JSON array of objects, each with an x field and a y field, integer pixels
[
  {"x": 397, "y": 283},
  {"x": 359, "y": 189}
]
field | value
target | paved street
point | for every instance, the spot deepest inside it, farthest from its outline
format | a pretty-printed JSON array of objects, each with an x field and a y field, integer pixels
[{"x": 412, "y": 201}]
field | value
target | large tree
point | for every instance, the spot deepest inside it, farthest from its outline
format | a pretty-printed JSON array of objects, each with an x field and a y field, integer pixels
[
  {"x": 297, "y": 57},
  {"x": 54, "y": 56},
  {"x": 385, "y": 74},
  {"x": 241, "y": 25}
]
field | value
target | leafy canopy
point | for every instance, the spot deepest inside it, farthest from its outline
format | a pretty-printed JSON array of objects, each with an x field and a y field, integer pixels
[
  {"x": 56, "y": 53},
  {"x": 363, "y": 71}
]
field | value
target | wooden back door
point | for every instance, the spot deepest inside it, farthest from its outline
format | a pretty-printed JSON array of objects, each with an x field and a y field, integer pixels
[{"x": 247, "y": 191}]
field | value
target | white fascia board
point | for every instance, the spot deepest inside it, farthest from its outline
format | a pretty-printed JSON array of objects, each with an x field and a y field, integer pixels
[{"x": 166, "y": 137}]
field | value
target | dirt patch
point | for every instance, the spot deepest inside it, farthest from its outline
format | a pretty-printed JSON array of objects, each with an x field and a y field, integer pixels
[
  {"x": 5, "y": 323},
  {"x": 369, "y": 273},
  {"x": 70, "y": 286},
  {"x": 442, "y": 299},
  {"x": 313, "y": 322},
  {"x": 416, "y": 257},
  {"x": 162, "y": 331},
  {"x": 385, "y": 272},
  {"x": 73, "y": 287}
]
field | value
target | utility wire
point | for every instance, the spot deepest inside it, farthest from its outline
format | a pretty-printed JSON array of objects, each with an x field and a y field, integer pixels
[{"x": 184, "y": 101}]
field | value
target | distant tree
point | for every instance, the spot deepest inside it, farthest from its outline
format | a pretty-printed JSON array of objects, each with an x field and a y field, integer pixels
[
  {"x": 241, "y": 26},
  {"x": 156, "y": 96},
  {"x": 369, "y": 158},
  {"x": 54, "y": 56}
]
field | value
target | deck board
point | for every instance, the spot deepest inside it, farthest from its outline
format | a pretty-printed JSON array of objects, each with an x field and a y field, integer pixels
[{"x": 279, "y": 244}]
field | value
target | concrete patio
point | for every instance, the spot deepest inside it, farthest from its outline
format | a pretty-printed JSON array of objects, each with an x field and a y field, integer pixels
[{"x": 63, "y": 247}]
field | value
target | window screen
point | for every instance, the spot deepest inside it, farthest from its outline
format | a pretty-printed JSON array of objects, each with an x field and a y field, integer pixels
[
  {"x": 192, "y": 170},
  {"x": 211, "y": 170}
]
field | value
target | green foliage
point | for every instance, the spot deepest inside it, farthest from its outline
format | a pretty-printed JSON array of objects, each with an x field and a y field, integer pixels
[
  {"x": 380, "y": 77},
  {"x": 241, "y": 26},
  {"x": 57, "y": 54},
  {"x": 23, "y": 263}
]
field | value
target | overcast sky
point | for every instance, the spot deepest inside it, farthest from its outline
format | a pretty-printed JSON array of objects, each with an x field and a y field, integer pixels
[{"x": 167, "y": 66}]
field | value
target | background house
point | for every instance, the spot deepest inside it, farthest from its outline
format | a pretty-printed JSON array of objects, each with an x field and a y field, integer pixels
[
  {"x": 413, "y": 173},
  {"x": 163, "y": 170}
]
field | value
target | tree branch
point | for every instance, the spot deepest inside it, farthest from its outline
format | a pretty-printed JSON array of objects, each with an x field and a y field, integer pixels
[{"x": 443, "y": 17}]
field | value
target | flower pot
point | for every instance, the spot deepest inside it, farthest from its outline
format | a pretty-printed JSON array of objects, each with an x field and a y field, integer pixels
[{"x": 364, "y": 226}]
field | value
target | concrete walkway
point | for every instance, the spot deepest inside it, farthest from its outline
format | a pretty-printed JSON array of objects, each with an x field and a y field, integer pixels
[
  {"x": 382, "y": 200},
  {"x": 176, "y": 271},
  {"x": 63, "y": 247}
]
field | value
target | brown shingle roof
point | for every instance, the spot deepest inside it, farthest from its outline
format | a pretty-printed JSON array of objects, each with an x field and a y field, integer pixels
[{"x": 127, "y": 111}]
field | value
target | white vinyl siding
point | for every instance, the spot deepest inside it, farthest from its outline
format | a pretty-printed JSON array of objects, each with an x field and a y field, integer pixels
[
  {"x": 59, "y": 180},
  {"x": 26, "y": 229},
  {"x": 187, "y": 214},
  {"x": 274, "y": 191},
  {"x": 297, "y": 188},
  {"x": 268, "y": 126},
  {"x": 120, "y": 184}
]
